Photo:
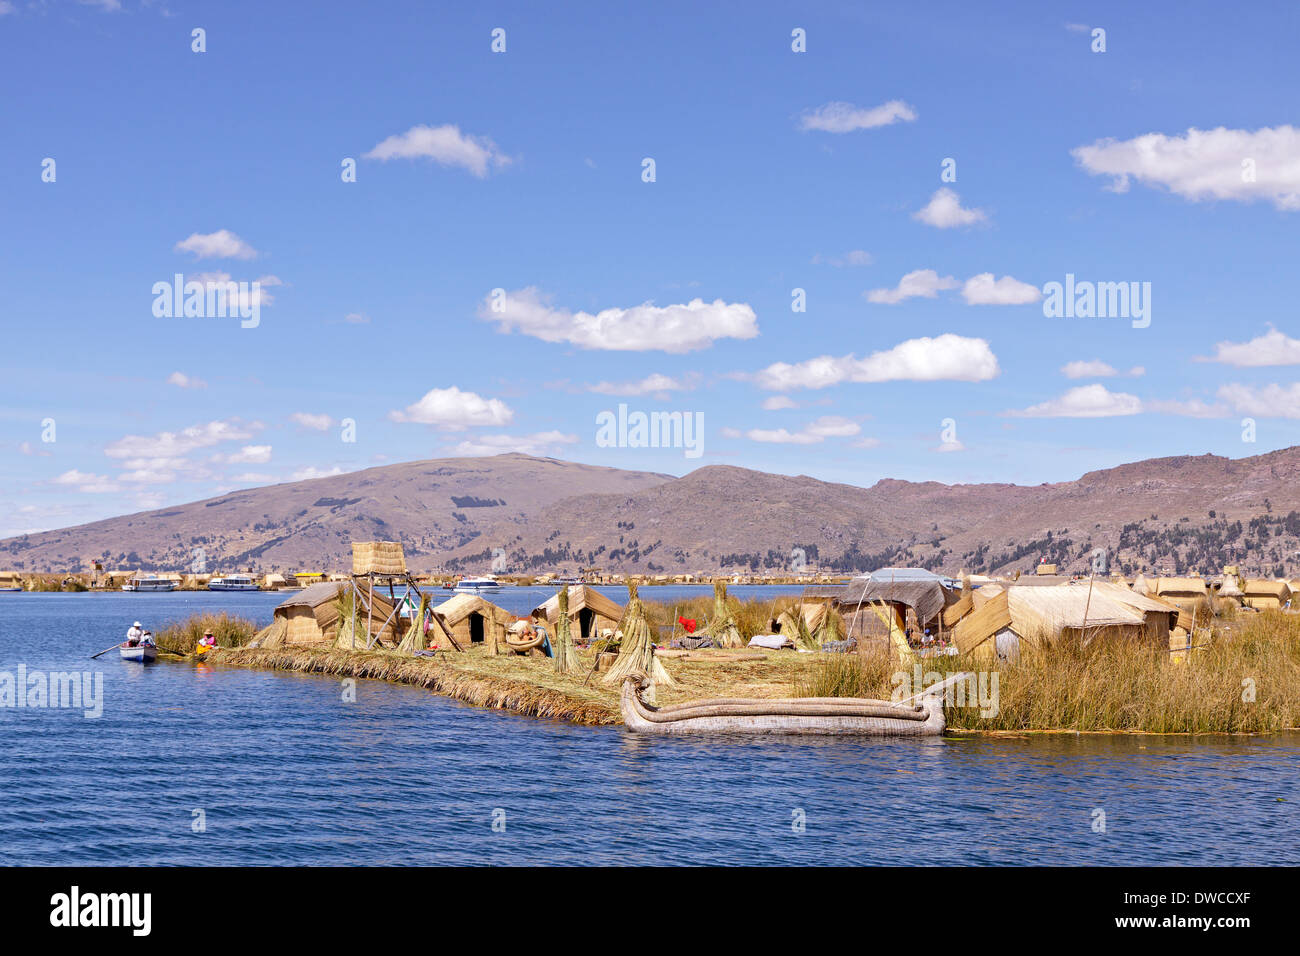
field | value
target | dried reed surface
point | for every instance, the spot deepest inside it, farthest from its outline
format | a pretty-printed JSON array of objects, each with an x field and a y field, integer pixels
[
  {"x": 181, "y": 637},
  {"x": 530, "y": 685},
  {"x": 752, "y": 617},
  {"x": 1119, "y": 687}
]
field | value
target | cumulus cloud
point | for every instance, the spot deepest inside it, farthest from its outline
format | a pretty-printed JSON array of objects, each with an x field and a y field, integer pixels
[
  {"x": 1221, "y": 163},
  {"x": 1271, "y": 348},
  {"x": 671, "y": 328},
  {"x": 539, "y": 443},
  {"x": 1094, "y": 368},
  {"x": 248, "y": 455},
  {"x": 945, "y": 357},
  {"x": 222, "y": 244},
  {"x": 1269, "y": 401},
  {"x": 445, "y": 145},
  {"x": 1086, "y": 401},
  {"x": 841, "y": 117},
  {"x": 454, "y": 410},
  {"x": 227, "y": 289},
  {"x": 778, "y": 402},
  {"x": 175, "y": 445},
  {"x": 925, "y": 283},
  {"x": 181, "y": 380},
  {"x": 816, "y": 431},
  {"x": 983, "y": 289},
  {"x": 945, "y": 211},
  {"x": 649, "y": 385},
  {"x": 316, "y": 422},
  {"x": 86, "y": 482}
]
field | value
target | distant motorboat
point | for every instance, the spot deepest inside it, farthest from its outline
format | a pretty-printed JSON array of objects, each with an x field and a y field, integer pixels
[
  {"x": 149, "y": 583},
  {"x": 141, "y": 653},
  {"x": 232, "y": 582},
  {"x": 485, "y": 585}
]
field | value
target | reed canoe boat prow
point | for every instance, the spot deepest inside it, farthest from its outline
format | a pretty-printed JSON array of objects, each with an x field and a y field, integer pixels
[{"x": 797, "y": 715}]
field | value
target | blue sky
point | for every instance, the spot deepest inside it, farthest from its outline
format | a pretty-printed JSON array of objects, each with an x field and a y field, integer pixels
[{"x": 522, "y": 171}]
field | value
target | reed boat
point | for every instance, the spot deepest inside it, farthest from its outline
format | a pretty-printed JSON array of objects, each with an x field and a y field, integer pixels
[
  {"x": 139, "y": 653},
  {"x": 792, "y": 715}
]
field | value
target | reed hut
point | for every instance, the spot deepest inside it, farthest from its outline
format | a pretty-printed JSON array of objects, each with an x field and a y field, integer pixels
[
  {"x": 1025, "y": 616},
  {"x": 274, "y": 582},
  {"x": 1265, "y": 595},
  {"x": 472, "y": 620},
  {"x": 590, "y": 612},
  {"x": 10, "y": 579},
  {"x": 914, "y": 599},
  {"x": 311, "y": 616},
  {"x": 1230, "y": 588},
  {"x": 1187, "y": 593}
]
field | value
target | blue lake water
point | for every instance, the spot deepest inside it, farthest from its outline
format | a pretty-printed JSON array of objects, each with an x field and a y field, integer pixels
[{"x": 285, "y": 772}]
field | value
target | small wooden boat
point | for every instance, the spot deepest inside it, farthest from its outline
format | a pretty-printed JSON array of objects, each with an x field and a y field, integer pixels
[
  {"x": 795, "y": 715},
  {"x": 139, "y": 653}
]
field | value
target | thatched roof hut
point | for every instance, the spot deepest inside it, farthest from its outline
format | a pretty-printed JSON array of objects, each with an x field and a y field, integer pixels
[
  {"x": 311, "y": 615},
  {"x": 1185, "y": 592},
  {"x": 1266, "y": 595},
  {"x": 1035, "y": 616},
  {"x": 473, "y": 620},
  {"x": 590, "y": 612}
]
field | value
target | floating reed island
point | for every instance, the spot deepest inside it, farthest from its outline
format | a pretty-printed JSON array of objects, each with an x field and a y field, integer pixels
[{"x": 1095, "y": 657}]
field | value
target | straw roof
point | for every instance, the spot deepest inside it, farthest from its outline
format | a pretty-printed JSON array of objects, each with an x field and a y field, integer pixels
[
  {"x": 980, "y": 625},
  {"x": 1141, "y": 585},
  {"x": 455, "y": 609},
  {"x": 313, "y": 596},
  {"x": 580, "y": 596},
  {"x": 1071, "y": 606},
  {"x": 1259, "y": 587},
  {"x": 1180, "y": 587}
]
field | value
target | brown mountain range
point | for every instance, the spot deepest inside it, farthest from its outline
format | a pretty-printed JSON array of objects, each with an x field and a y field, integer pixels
[{"x": 1187, "y": 513}]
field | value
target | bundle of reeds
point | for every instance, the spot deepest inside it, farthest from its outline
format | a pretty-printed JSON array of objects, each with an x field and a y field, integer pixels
[
  {"x": 414, "y": 639},
  {"x": 565, "y": 655},
  {"x": 636, "y": 653},
  {"x": 723, "y": 627},
  {"x": 351, "y": 633},
  {"x": 379, "y": 557},
  {"x": 181, "y": 637},
  {"x": 271, "y": 636}
]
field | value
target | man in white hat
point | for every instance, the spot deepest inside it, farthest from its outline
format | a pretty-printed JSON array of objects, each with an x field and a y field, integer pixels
[{"x": 134, "y": 634}]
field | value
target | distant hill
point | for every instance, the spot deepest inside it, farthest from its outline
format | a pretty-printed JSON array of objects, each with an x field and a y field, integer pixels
[{"x": 1185, "y": 513}]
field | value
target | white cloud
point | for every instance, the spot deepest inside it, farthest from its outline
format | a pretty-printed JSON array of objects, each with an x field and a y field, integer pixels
[
  {"x": 945, "y": 211},
  {"x": 922, "y": 282},
  {"x": 946, "y": 357},
  {"x": 86, "y": 482},
  {"x": 108, "y": 6},
  {"x": 854, "y": 257},
  {"x": 1086, "y": 401},
  {"x": 1093, "y": 368},
  {"x": 539, "y": 443},
  {"x": 778, "y": 402},
  {"x": 311, "y": 471},
  {"x": 181, "y": 380},
  {"x": 1271, "y": 348},
  {"x": 840, "y": 117},
  {"x": 255, "y": 478},
  {"x": 248, "y": 455},
  {"x": 445, "y": 145},
  {"x": 818, "y": 430},
  {"x": 245, "y": 298},
  {"x": 222, "y": 244},
  {"x": 455, "y": 410},
  {"x": 671, "y": 328},
  {"x": 316, "y": 422},
  {"x": 174, "y": 445},
  {"x": 983, "y": 289},
  {"x": 357, "y": 318},
  {"x": 1270, "y": 401},
  {"x": 1205, "y": 164},
  {"x": 646, "y": 386}
]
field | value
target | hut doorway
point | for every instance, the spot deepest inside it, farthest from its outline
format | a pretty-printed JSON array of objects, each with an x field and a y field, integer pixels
[
  {"x": 476, "y": 628},
  {"x": 586, "y": 619}
]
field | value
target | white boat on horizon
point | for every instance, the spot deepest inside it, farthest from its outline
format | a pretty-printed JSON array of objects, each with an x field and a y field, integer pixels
[
  {"x": 484, "y": 585},
  {"x": 147, "y": 582},
  {"x": 232, "y": 582}
]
